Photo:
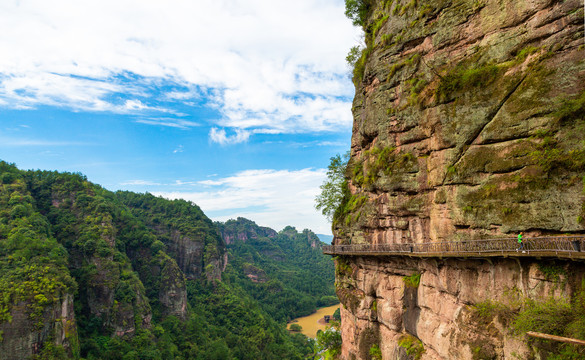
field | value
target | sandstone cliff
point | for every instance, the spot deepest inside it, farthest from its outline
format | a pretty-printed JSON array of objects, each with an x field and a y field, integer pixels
[{"x": 469, "y": 122}]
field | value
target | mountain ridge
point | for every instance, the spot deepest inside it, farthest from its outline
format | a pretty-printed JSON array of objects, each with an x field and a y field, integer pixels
[{"x": 91, "y": 273}]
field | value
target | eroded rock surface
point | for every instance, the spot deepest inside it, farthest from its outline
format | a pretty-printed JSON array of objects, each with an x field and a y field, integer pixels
[
  {"x": 469, "y": 120},
  {"x": 442, "y": 311},
  {"x": 24, "y": 336}
]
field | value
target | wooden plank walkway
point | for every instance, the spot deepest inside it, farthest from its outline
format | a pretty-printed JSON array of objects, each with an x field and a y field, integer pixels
[{"x": 569, "y": 247}]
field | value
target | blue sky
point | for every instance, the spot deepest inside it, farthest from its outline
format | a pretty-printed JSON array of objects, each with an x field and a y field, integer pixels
[{"x": 235, "y": 105}]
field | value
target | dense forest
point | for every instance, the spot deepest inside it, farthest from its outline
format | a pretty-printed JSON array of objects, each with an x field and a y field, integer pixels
[
  {"x": 94, "y": 274},
  {"x": 281, "y": 267}
]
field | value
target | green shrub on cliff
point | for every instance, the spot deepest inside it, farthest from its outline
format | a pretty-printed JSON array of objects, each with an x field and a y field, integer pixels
[
  {"x": 413, "y": 346},
  {"x": 572, "y": 109},
  {"x": 412, "y": 281},
  {"x": 555, "y": 316},
  {"x": 295, "y": 327},
  {"x": 465, "y": 76},
  {"x": 333, "y": 190},
  {"x": 375, "y": 352}
]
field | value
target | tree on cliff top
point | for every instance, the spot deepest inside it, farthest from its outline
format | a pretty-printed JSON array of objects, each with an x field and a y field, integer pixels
[
  {"x": 332, "y": 190},
  {"x": 357, "y": 11}
]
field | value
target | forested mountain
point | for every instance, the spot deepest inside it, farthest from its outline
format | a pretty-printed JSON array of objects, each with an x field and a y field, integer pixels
[
  {"x": 285, "y": 271},
  {"x": 89, "y": 273}
]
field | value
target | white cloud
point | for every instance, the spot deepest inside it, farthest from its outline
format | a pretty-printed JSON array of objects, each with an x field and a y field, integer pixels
[
  {"x": 274, "y": 198},
  {"x": 170, "y": 122},
  {"x": 131, "y": 105},
  {"x": 182, "y": 183},
  {"x": 266, "y": 65},
  {"x": 220, "y": 136}
]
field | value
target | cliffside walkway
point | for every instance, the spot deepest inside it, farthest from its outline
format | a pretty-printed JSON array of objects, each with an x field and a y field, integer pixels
[{"x": 570, "y": 247}]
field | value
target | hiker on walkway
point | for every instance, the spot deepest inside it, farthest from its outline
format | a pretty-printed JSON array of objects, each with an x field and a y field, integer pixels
[{"x": 521, "y": 244}]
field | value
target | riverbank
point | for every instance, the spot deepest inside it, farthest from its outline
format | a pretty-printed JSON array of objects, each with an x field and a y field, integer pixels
[{"x": 312, "y": 323}]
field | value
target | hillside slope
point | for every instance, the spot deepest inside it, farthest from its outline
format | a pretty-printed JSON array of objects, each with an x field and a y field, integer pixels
[
  {"x": 285, "y": 271},
  {"x": 100, "y": 275}
]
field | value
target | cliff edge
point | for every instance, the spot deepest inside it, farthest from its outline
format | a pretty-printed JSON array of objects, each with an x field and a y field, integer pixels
[{"x": 469, "y": 123}]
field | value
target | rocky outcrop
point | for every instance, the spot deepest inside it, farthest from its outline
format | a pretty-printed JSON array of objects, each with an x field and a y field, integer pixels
[
  {"x": 446, "y": 308},
  {"x": 186, "y": 234},
  {"x": 243, "y": 229},
  {"x": 469, "y": 119},
  {"x": 468, "y": 122},
  {"x": 26, "y": 335},
  {"x": 255, "y": 274},
  {"x": 188, "y": 252}
]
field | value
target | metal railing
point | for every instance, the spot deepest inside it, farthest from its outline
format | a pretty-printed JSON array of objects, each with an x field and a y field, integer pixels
[{"x": 536, "y": 246}]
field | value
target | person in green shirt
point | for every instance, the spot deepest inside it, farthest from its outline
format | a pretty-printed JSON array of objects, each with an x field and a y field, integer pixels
[{"x": 521, "y": 244}]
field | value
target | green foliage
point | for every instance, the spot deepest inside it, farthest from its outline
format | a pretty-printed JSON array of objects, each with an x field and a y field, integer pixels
[
  {"x": 296, "y": 277},
  {"x": 295, "y": 327},
  {"x": 487, "y": 310},
  {"x": 343, "y": 268},
  {"x": 33, "y": 265},
  {"x": 552, "y": 271},
  {"x": 328, "y": 343},
  {"x": 555, "y": 316},
  {"x": 381, "y": 161},
  {"x": 465, "y": 77},
  {"x": 333, "y": 189},
  {"x": 410, "y": 61},
  {"x": 548, "y": 154},
  {"x": 572, "y": 109},
  {"x": 353, "y": 56},
  {"x": 414, "y": 347},
  {"x": 61, "y": 235},
  {"x": 357, "y": 11},
  {"x": 550, "y": 316},
  {"x": 412, "y": 281},
  {"x": 350, "y": 205},
  {"x": 525, "y": 52},
  {"x": 386, "y": 39},
  {"x": 416, "y": 86},
  {"x": 337, "y": 314},
  {"x": 398, "y": 10},
  {"x": 375, "y": 352},
  {"x": 360, "y": 65},
  {"x": 51, "y": 351},
  {"x": 378, "y": 24}
]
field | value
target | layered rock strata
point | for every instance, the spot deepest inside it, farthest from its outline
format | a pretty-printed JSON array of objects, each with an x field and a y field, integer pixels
[
  {"x": 443, "y": 311},
  {"x": 469, "y": 123}
]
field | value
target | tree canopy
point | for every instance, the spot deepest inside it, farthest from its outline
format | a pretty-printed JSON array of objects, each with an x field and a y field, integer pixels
[{"x": 334, "y": 188}]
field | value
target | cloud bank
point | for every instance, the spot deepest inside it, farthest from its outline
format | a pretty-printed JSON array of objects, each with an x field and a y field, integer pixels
[{"x": 263, "y": 66}]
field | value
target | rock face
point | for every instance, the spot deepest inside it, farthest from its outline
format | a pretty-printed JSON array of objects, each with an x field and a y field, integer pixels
[
  {"x": 188, "y": 252},
  {"x": 243, "y": 229},
  {"x": 442, "y": 311},
  {"x": 469, "y": 120},
  {"x": 173, "y": 291},
  {"x": 24, "y": 338}
]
